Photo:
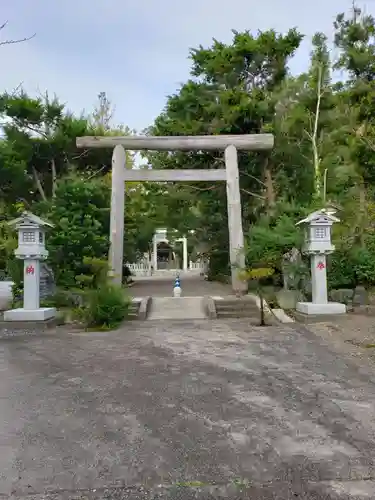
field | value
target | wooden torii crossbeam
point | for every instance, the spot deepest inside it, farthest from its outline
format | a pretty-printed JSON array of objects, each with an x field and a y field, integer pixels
[
  {"x": 247, "y": 142},
  {"x": 227, "y": 143}
]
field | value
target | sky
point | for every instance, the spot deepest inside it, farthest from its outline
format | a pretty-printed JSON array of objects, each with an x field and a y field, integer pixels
[{"x": 137, "y": 50}]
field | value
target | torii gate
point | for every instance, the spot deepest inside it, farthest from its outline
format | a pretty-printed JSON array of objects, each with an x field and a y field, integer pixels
[{"x": 227, "y": 143}]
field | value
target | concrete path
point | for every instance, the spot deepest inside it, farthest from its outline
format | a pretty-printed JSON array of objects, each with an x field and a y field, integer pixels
[
  {"x": 201, "y": 410},
  {"x": 194, "y": 286}
]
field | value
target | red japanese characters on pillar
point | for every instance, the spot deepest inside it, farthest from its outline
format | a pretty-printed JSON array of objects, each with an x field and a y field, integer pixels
[
  {"x": 320, "y": 265},
  {"x": 30, "y": 270}
]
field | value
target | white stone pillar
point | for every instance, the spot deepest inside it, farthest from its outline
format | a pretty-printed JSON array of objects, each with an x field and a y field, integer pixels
[
  {"x": 155, "y": 253},
  {"x": 116, "y": 250},
  {"x": 319, "y": 279},
  {"x": 31, "y": 284},
  {"x": 236, "y": 239},
  {"x": 184, "y": 254}
]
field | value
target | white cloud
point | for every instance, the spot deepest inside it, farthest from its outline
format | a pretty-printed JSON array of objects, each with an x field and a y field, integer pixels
[{"x": 136, "y": 51}]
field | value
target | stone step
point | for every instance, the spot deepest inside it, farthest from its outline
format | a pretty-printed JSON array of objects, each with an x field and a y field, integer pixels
[
  {"x": 244, "y": 307},
  {"x": 230, "y": 299},
  {"x": 134, "y": 309},
  {"x": 183, "y": 308},
  {"x": 236, "y": 306},
  {"x": 237, "y": 314}
]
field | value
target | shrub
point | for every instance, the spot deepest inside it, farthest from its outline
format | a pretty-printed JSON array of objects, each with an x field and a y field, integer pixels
[
  {"x": 15, "y": 272},
  {"x": 364, "y": 266},
  {"x": 340, "y": 270},
  {"x": 105, "y": 307},
  {"x": 349, "y": 267},
  {"x": 80, "y": 214}
]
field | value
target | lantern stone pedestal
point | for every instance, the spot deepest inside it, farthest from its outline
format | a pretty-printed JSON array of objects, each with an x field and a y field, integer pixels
[
  {"x": 328, "y": 309},
  {"x": 21, "y": 314},
  {"x": 318, "y": 245},
  {"x": 31, "y": 249}
]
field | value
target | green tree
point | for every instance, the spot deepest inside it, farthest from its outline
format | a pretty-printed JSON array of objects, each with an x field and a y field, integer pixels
[
  {"x": 229, "y": 93},
  {"x": 141, "y": 220},
  {"x": 355, "y": 40},
  {"x": 103, "y": 113},
  {"x": 16, "y": 184},
  {"x": 41, "y": 135}
]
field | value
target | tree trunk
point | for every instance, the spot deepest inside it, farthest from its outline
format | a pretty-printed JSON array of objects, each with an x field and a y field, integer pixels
[
  {"x": 362, "y": 212},
  {"x": 54, "y": 177},
  {"x": 314, "y": 139},
  {"x": 269, "y": 186},
  {"x": 39, "y": 184}
]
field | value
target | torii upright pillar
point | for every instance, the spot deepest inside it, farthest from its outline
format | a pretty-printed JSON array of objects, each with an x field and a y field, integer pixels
[
  {"x": 236, "y": 239},
  {"x": 116, "y": 248}
]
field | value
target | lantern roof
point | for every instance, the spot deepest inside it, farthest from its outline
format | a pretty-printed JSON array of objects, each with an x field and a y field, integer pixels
[
  {"x": 29, "y": 219},
  {"x": 324, "y": 215}
]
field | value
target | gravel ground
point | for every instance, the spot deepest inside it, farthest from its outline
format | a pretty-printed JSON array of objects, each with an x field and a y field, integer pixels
[
  {"x": 352, "y": 334},
  {"x": 185, "y": 410}
]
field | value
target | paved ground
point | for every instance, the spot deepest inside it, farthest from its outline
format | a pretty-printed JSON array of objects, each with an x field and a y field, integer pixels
[
  {"x": 186, "y": 410},
  {"x": 191, "y": 286},
  {"x": 354, "y": 334}
]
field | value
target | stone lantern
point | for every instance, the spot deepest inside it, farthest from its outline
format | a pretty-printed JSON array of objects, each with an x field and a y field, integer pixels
[
  {"x": 31, "y": 249},
  {"x": 318, "y": 244}
]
